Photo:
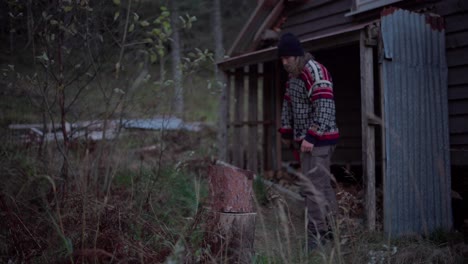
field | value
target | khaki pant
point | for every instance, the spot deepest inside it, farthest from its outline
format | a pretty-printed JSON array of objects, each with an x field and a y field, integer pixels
[{"x": 320, "y": 196}]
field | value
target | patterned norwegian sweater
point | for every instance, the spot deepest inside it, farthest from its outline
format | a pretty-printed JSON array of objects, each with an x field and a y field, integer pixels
[{"x": 309, "y": 107}]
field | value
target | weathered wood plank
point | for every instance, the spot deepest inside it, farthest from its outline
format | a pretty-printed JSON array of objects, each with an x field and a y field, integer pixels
[
  {"x": 279, "y": 89},
  {"x": 268, "y": 23},
  {"x": 459, "y": 157},
  {"x": 458, "y": 92},
  {"x": 457, "y": 57},
  {"x": 268, "y": 114},
  {"x": 459, "y": 140},
  {"x": 223, "y": 79},
  {"x": 252, "y": 154},
  {"x": 449, "y": 7},
  {"x": 229, "y": 97},
  {"x": 309, "y": 5},
  {"x": 458, "y": 76},
  {"x": 458, "y": 107},
  {"x": 456, "y": 23},
  {"x": 319, "y": 13},
  {"x": 248, "y": 31},
  {"x": 322, "y": 26},
  {"x": 458, "y": 124},
  {"x": 238, "y": 137},
  {"x": 368, "y": 132},
  {"x": 456, "y": 40}
]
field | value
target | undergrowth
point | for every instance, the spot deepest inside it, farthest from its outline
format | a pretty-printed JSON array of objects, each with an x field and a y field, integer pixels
[{"x": 146, "y": 209}]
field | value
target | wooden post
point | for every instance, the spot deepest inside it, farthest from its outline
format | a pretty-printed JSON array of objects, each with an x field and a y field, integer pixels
[
  {"x": 238, "y": 146},
  {"x": 229, "y": 133},
  {"x": 222, "y": 81},
  {"x": 268, "y": 113},
  {"x": 368, "y": 131},
  {"x": 279, "y": 93},
  {"x": 252, "y": 154},
  {"x": 231, "y": 222}
]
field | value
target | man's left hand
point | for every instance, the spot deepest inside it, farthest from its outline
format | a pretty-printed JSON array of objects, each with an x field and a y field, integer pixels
[{"x": 306, "y": 146}]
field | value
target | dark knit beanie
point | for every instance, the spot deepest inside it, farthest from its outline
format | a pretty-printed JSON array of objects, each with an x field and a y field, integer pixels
[{"x": 289, "y": 45}]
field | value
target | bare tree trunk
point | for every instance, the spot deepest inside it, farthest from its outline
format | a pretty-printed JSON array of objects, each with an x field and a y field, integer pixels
[
  {"x": 220, "y": 81},
  {"x": 30, "y": 23},
  {"x": 61, "y": 100},
  {"x": 176, "y": 62}
]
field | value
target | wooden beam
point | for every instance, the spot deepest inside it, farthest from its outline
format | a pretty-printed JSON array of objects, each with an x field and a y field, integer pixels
[
  {"x": 278, "y": 104},
  {"x": 268, "y": 114},
  {"x": 268, "y": 23},
  {"x": 229, "y": 133},
  {"x": 329, "y": 40},
  {"x": 368, "y": 131},
  {"x": 223, "y": 84},
  {"x": 381, "y": 100},
  {"x": 251, "y": 123},
  {"x": 248, "y": 29},
  {"x": 252, "y": 154},
  {"x": 238, "y": 136}
]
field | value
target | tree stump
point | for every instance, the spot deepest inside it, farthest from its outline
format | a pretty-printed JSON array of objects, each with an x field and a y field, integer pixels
[{"x": 231, "y": 218}]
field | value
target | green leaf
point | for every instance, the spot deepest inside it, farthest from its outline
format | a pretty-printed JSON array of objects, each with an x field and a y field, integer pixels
[
  {"x": 153, "y": 57},
  {"x": 132, "y": 27},
  {"x": 68, "y": 245},
  {"x": 119, "y": 91},
  {"x": 136, "y": 17},
  {"x": 67, "y": 8},
  {"x": 116, "y": 15},
  {"x": 116, "y": 2},
  {"x": 53, "y": 22},
  {"x": 43, "y": 57},
  {"x": 144, "y": 23},
  {"x": 161, "y": 52},
  {"x": 182, "y": 19}
]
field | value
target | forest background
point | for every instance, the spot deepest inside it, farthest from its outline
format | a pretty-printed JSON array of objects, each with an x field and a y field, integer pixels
[{"x": 79, "y": 185}]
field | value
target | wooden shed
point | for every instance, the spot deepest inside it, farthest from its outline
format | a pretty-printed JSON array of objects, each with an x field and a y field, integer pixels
[{"x": 401, "y": 90}]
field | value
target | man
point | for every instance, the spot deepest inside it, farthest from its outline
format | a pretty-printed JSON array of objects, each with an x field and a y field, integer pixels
[{"x": 308, "y": 117}]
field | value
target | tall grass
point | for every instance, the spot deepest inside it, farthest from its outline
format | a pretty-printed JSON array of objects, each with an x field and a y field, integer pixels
[
  {"x": 117, "y": 206},
  {"x": 281, "y": 238}
]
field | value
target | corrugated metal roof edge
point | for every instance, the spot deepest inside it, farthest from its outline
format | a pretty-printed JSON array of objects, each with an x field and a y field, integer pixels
[{"x": 270, "y": 53}]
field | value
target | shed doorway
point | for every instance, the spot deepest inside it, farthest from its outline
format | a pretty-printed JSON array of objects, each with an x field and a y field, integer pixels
[{"x": 344, "y": 65}]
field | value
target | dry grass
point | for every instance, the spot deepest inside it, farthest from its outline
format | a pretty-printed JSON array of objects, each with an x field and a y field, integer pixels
[
  {"x": 280, "y": 238},
  {"x": 125, "y": 206},
  {"x": 117, "y": 205}
]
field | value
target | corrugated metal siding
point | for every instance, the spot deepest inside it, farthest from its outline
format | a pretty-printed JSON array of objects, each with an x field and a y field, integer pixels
[{"x": 417, "y": 180}]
